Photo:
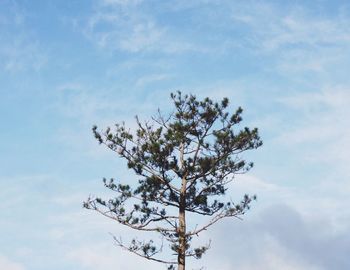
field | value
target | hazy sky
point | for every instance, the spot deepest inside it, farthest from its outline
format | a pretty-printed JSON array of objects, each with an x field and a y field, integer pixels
[{"x": 66, "y": 65}]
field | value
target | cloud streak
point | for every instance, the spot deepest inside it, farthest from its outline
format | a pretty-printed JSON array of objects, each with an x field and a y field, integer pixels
[
  {"x": 130, "y": 31},
  {"x": 21, "y": 51}
]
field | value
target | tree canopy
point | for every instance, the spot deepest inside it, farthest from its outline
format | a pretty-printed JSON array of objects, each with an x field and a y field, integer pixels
[{"x": 183, "y": 162}]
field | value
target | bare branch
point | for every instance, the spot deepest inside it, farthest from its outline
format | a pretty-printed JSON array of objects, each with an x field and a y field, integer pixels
[
  {"x": 142, "y": 227},
  {"x": 148, "y": 257},
  {"x": 215, "y": 219}
]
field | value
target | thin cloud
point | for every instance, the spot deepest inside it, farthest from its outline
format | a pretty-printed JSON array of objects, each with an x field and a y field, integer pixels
[
  {"x": 6, "y": 263},
  {"x": 323, "y": 122},
  {"x": 19, "y": 50},
  {"x": 295, "y": 37},
  {"x": 124, "y": 27},
  {"x": 102, "y": 256},
  {"x": 148, "y": 79}
]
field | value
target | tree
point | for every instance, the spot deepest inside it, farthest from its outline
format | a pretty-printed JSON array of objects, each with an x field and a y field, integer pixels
[{"x": 184, "y": 162}]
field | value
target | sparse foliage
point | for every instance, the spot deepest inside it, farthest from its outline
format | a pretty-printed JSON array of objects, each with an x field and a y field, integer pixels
[{"x": 183, "y": 162}]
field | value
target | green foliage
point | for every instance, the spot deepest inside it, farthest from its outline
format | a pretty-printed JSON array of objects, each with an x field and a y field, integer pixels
[{"x": 183, "y": 161}]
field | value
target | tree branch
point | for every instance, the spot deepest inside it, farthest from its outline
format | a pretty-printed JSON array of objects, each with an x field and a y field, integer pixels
[
  {"x": 148, "y": 257},
  {"x": 215, "y": 219}
]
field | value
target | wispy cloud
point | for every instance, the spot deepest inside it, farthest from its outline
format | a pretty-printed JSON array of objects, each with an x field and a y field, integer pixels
[
  {"x": 302, "y": 39},
  {"x": 104, "y": 256},
  {"x": 123, "y": 26},
  {"x": 323, "y": 121},
  {"x": 295, "y": 38},
  {"x": 19, "y": 49},
  {"x": 22, "y": 54},
  {"x": 278, "y": 28},
  {"x": 151, "y": 79},
  {"x": 6, "y": 263}
]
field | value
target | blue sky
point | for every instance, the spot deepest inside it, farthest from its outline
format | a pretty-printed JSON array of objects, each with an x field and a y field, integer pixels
[{"x": 67, "y": 65}]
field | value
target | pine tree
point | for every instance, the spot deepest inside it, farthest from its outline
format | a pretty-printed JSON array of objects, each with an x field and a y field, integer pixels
[{"x": 183, "y": 164}]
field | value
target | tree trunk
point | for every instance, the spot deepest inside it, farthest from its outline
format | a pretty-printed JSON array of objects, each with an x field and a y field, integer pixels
[
  {"x": 182, "y": 240},
  {"x": 181, "y": 258}
]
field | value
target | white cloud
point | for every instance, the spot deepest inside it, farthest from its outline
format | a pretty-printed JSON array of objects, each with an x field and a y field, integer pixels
[
  {"x": 86, "y": 108},
  {"x": 298, "y": 30},
  {"x": 126, "y": 31},
  {"x": 20, "y": 50},
  {"x": 314, "y": 134},
  {"x": 331, "y": 97},
  {"x": 19, "y": 55},
  {"x": 277, "y": 27},
  {"x": 7, "y": 264},
  {"x": 126, "y": 26},
  {"x": 323, "y": 122},
  {"x": 103, "y": 257},
  {"x": 148, "y": 79},
  {"x": 295, "y": 37},
  {"x": 141, "y": 37}
]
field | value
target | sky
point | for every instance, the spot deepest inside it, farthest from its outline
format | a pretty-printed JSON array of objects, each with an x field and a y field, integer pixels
[{"x": 67, "y": 65}]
